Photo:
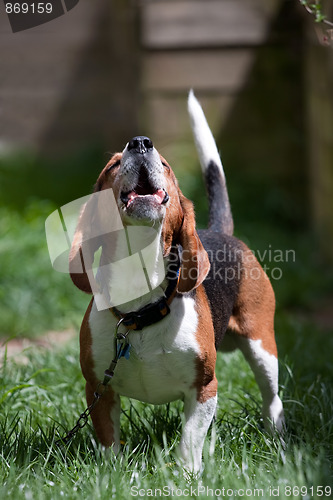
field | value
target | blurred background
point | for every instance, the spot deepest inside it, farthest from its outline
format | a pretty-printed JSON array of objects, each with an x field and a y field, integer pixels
[{"x": 78, "y": 88}]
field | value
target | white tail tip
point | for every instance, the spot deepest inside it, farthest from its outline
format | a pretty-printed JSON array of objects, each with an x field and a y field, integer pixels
[{"x": 203, "y": 136}]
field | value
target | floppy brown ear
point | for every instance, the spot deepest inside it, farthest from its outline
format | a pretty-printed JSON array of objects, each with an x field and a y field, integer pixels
[
  {"x": 84, "y": 246},
  {"x": 195, "y": 263}
]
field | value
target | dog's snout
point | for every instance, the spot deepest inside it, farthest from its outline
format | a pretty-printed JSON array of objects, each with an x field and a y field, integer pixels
[{"x": 140, "y": 144}]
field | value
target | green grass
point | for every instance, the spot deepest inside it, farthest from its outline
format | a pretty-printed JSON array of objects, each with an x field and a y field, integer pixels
[
  {"x": 43, "y": 398},
  {"x": 33, "y": 297}
]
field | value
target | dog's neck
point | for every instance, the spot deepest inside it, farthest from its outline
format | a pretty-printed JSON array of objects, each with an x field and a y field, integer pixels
[{"x": 136, "y": 275}]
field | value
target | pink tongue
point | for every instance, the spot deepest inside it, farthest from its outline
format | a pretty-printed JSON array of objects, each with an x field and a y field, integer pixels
[
  {"x": 158, "y": 195},
  {"x": 131, "y": 196}
]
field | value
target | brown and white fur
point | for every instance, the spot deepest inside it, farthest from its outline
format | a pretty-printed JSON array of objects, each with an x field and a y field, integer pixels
[{"x": 223, "y": 298}]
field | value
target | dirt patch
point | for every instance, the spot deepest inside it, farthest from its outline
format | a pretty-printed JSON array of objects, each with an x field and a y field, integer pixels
[{"x": 17, "y": 348}]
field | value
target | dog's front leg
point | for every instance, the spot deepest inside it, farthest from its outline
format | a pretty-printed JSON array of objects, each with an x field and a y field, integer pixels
[
  {"x": 106, "y": 417},
  {"x": 199, "y": 410}
]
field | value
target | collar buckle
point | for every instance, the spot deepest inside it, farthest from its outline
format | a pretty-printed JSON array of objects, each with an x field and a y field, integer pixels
[{"x": 147, "y": 316}]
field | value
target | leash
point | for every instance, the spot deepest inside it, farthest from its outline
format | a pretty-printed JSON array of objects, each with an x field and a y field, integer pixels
[{"x": 121, "y": 349}]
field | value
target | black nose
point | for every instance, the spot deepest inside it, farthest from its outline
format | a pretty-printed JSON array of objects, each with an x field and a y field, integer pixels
[{"x": 140, "y": 144}]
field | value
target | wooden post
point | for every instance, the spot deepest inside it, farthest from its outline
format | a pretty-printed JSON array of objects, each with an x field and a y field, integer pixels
[
  {"x": 319, "y": 100},
  {"x": 126, "y": 65}
]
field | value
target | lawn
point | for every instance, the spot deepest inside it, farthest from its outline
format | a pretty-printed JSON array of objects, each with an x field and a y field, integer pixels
[{"x": 42, "y": 398}]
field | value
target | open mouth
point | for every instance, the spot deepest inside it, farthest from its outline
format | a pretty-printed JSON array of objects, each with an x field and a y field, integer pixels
[
  {"x": 160, "y": 196},
  {"x": 145, "y": 192}
]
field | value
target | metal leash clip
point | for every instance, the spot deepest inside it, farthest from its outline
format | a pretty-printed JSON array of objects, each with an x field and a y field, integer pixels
[{"x": 121, "y": 349}]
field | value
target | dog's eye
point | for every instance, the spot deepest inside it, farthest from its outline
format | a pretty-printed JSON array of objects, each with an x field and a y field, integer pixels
[
  {"x": 115, "y": 164},
  {"x": 165, "y": 165}
]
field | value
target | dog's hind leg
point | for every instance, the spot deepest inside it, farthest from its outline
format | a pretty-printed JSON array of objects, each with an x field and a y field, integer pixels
[
  {"x": 265, "y": 368},
  {"x": 252, "y": 331}
]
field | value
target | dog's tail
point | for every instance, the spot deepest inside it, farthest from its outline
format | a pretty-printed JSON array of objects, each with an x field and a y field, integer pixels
[{"x": 220, "y": 216}]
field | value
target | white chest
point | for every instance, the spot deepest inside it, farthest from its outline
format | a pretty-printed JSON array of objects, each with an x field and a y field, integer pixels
[{"x": 161, "y": 365}]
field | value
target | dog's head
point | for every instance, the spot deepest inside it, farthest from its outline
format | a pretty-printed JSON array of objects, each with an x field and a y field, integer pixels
[
  {"x": 140, "y": 180},
  {"x": 146, "y": 193}
]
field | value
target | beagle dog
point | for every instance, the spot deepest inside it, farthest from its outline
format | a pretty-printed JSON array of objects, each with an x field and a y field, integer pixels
[{"x": 213, "y": 294}]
